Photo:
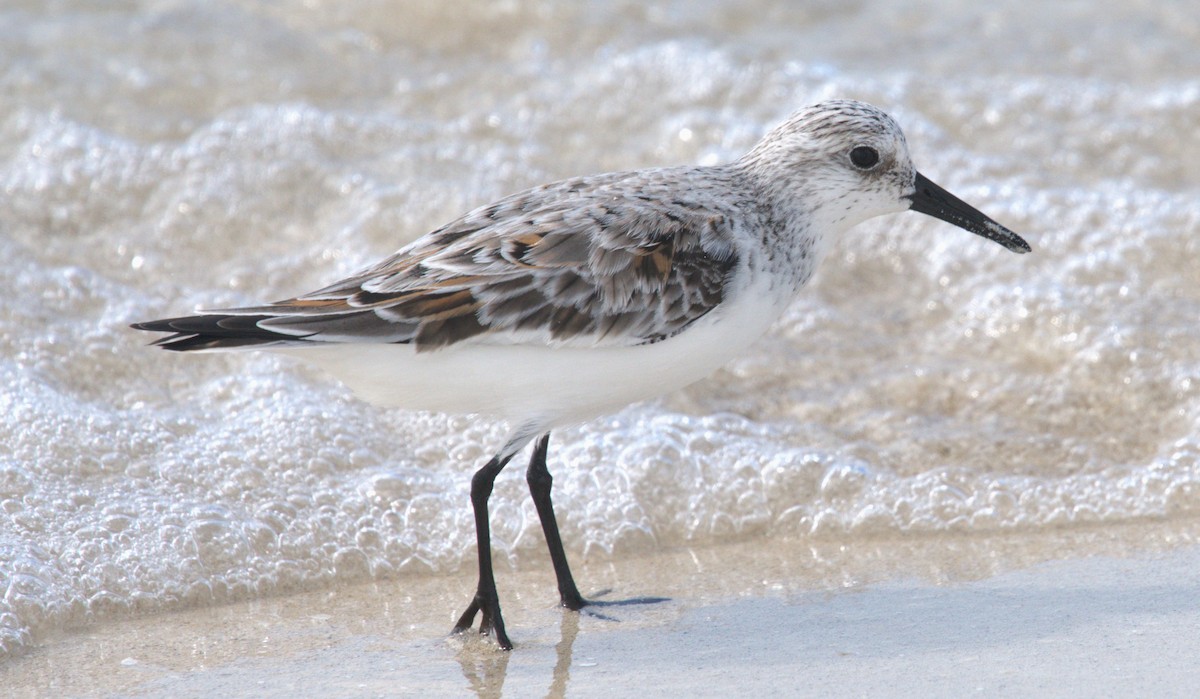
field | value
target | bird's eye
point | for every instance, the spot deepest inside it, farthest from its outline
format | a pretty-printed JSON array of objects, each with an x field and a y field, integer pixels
[{"x": 864, "y": 157}]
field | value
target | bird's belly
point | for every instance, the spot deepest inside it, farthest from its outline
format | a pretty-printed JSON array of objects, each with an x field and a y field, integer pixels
[{"x": 538, "y": 385}]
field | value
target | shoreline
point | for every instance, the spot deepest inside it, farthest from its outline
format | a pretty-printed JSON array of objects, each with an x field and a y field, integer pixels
[{"x": 1095, "y": 611}]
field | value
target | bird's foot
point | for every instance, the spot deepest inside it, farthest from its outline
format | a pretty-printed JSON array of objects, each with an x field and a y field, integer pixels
[
  {"x": 573, "y": 600},
  {"x": 491, "y": 622}
]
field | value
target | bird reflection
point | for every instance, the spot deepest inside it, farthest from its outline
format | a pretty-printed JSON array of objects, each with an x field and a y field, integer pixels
[
  {"x": 485, "y": 669},
  {"x": 568, "y": 630}
]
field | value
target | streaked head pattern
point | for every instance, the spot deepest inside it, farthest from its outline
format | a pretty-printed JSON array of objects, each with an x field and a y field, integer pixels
[{"x": 847, "y": 161}]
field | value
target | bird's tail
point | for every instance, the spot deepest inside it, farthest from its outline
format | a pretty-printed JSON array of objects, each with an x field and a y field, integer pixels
[{"x": 216, "y": 332}]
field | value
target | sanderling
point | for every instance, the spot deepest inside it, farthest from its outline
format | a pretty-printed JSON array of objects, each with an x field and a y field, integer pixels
[{"x": 573, "y": 299}]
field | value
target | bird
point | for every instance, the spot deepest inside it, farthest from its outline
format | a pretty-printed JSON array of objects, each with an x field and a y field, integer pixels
[{"x": 573, "y": 299}]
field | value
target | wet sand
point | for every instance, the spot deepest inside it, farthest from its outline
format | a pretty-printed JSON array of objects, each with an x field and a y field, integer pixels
[{"x": 1101, "y": 612}]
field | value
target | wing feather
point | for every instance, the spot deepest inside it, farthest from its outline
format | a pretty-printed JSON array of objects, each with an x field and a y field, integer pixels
[{"x": 582, "y": 262}]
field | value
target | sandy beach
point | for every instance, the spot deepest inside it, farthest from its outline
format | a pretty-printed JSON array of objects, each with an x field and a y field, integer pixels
[{"x": 1114, "y": 616}]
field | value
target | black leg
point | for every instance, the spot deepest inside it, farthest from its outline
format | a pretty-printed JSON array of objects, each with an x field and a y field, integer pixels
[
  {"x": 486, "y": 598},
  {"x": 540, "y": 482}
]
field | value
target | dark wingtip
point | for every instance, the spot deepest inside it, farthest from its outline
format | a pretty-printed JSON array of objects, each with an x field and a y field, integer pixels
[
  {"x": 203, "y": 332},
  {"x": 161, "y": 326}
]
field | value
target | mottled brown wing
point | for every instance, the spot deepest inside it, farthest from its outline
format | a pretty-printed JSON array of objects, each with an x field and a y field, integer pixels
[{"x": 566, "y": 264}]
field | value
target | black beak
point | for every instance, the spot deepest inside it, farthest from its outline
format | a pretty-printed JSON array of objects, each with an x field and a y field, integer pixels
[{"x": 938, "y": 203}]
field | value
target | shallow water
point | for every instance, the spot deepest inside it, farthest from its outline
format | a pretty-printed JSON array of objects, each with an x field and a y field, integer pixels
[{"x": 159, "y": 156}]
